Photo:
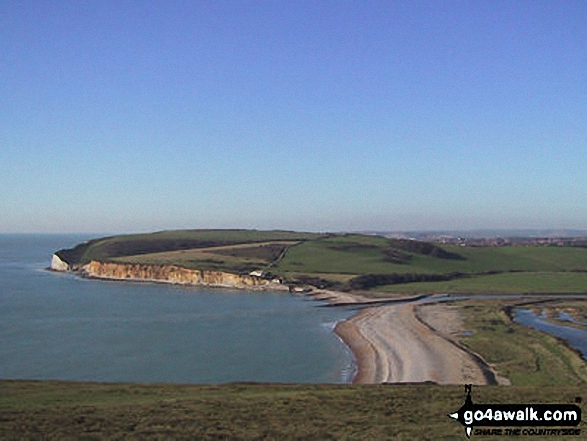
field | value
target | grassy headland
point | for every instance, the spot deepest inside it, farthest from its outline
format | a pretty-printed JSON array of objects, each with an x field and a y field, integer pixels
[{"x": 351, "y": 262}]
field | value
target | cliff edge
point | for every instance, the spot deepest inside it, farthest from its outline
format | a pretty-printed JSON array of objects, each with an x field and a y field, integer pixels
[
  {"x": 58, "y": 265},
  {"x": 169, "y": 274}
]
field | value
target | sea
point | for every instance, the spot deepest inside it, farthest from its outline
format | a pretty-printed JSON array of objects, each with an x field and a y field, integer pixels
[{"x": 60, "y": 326}]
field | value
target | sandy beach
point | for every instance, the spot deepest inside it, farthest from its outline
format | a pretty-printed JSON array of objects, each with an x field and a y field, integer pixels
[{"x": 412, "y": 342}]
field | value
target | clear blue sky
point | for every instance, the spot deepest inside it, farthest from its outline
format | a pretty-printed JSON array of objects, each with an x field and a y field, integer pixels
[{"x": 121, "y": 116}]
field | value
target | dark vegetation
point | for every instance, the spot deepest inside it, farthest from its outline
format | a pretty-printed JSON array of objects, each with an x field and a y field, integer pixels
[
  {"x": 318, "y": 282},
  {"x": 396, "y": 256},
  {"x": 130, "y": 245},
  {"x": 53, "y": 410},
  {"x": 76, "y": 254},
  {"x": 398, "y": 251},
  {"x": 369, "y": 281},
  {"x": 424, "y": 248},
  {"x": 270, "y": 252}
]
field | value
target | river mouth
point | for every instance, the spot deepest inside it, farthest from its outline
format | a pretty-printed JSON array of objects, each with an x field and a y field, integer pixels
[{"x": 576, "y": 338}]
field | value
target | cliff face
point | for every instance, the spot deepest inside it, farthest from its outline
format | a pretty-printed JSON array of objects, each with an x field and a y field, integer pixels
[
  {"x": 58, "y": 265},
  {"x": 173, "y": 274}
]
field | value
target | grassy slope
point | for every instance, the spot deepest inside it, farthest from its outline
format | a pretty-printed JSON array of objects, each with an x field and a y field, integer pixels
[
  {"x": 134, "y": 244},
  {"x": 318, "y": 256},
  {"x": 61, "y": 410},
  {"x": 338, "y": 258},
  {"x": 233, "y": 258},
  {"x": 538, "y": 269}
]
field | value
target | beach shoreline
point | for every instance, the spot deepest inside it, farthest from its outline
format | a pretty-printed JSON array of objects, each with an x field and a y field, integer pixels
[
  {"x": 171, "y": 275},
  {"x": 389, "y": 341},
  {"x": 397, "y": 344}
]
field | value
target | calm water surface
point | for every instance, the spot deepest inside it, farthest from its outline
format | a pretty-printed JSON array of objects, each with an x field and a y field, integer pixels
[
  {"x": 577, "y": 338},
  {"x": 58, "y": 326}
]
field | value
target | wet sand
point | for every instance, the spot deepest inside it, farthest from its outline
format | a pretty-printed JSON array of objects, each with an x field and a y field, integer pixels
[{"x": 412, "y": 342}]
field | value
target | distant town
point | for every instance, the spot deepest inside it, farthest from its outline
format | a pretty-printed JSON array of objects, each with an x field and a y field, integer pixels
[{"x": 497, "y": 238}]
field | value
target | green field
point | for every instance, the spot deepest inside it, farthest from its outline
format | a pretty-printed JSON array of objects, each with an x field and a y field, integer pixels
[
  {"x": 524, "y": 356},
  {"x": 503, "y": 283},
  {"x": 104, "y": 249},
  {"x": 87, "y": 411},
  {"x": 239, "y": 258},
  {"x": 329, "y": 256},
  {"x": 352, "y": 262}
]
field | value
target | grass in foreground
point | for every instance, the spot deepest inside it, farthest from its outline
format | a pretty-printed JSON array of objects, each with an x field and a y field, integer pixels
[{"x": 62, "y": 410}]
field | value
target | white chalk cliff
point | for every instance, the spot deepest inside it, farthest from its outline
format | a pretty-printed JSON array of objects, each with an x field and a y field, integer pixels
[{"x": 58, "y": 265}]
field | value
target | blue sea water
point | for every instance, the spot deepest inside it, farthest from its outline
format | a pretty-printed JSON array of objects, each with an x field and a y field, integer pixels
[{"x": 59, "y": 326}]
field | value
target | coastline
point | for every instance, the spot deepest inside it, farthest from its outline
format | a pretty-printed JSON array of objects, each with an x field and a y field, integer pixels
[
  {"x": 266, "y": 287},
  {"x": 388, "y": 340},
  {"x": 404, "y": 340},
  {"x": 168, "y": 274},
  {"x": 397, "y": 344}
]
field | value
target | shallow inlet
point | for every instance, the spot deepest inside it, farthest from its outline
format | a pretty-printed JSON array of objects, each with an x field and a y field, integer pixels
[{"x": 577, "y": 338}]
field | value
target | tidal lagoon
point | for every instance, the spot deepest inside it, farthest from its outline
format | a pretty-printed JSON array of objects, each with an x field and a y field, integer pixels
[{"x": 576, "y": 338}]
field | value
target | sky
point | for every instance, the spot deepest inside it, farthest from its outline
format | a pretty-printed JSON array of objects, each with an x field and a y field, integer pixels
[{"x": 129, "y": 116}]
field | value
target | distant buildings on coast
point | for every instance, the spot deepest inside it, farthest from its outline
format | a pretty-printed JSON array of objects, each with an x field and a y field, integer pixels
[{"x": 496, "y": 238}]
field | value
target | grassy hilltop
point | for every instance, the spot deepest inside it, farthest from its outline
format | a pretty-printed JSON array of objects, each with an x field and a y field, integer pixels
[{"x": 351, "y": 262}]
